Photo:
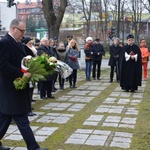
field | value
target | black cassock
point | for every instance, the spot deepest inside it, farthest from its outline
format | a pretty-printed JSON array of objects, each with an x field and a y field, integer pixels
[{"x": 131, "y": 70}]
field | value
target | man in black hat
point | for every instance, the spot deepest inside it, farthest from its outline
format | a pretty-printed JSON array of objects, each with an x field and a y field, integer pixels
[
  {"x": 131, "y": 66},
  {"x": 37, "y": 43}
]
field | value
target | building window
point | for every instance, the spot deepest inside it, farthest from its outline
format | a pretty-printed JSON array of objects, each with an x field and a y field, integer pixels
[
  {"x": 23, "y": 10},
  {"x": 18, "y": 10}
]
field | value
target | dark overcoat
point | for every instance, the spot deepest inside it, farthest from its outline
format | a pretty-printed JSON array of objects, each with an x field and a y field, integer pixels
[
  {"x": 114, "y": 51},
  {"x": 43, "y": 49},
  {"x": 28, "y": 50},
  {"x": 131, "y": 70},
  {"x": 99, "y": 51},
  {"x": 88, "y": 52},
  {"x": 12, "y": 101},
  {"x": 71, "y": 63}
]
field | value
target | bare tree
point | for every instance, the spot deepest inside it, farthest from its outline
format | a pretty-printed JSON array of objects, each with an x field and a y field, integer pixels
[
  {"x": 146, "y": 4},
  {"x": 87, "y": 9},
  {"x": 122, "y": 17},
  {"x": 136, "y": 17},
  {"x": 97, "y": 18},
  {"x": 97, "y": 8},
  {"x": 54, "y": 14},
  {"x": 105, "y": 3}
]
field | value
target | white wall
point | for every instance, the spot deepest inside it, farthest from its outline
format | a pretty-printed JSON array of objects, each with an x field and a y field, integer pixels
[
  {"x": 7, "y": 14},
  {"x": 82, "y": 59}
]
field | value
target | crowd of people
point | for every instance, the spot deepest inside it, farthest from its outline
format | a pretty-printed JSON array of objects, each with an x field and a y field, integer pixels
[
  {"x": 66, "y": 52},
  {"x": 15, "y": 105},
  {"x": 125, "y": 60}
]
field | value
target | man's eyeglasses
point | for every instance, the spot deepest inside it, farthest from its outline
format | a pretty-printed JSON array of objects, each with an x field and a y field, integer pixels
[{"x": 22, "y": 31}]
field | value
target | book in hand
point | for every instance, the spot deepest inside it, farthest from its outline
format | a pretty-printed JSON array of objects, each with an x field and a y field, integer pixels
[{"x": 132, "y": 53}]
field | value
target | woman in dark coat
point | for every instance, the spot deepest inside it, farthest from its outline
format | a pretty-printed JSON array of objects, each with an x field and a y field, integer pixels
[
  {"x": 114, "y": 51},
  {"x": 131, "y": 66},
  {"x": 89, "y": 54},
  {"x": 73, "y": 54},
  {"x": 62, "y": 56},
  {"x": 30, "y": 50},
  {"x": 52, "y": 47}
]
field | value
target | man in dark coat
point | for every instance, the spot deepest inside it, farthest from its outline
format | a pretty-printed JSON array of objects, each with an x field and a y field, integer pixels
[
  {"x": 97, "y": 59},
  {"x": 131, "y": 66},
  {"x": 14, "y": 104},
  {"x": 45, "y": 86},
  {"x": 114, "y": 51}
]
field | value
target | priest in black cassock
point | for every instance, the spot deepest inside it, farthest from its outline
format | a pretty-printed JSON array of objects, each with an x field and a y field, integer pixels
[{"x": 131, "y": 66}]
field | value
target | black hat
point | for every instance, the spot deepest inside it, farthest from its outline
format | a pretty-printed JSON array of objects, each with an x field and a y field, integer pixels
[
  {"x": 97, "y": 39},
  {"x": 37, "y": 40},
  {"x": 25, "y": 40},
  {"x": 130, "y": 36},
  {"x": 69, "y": 37}
]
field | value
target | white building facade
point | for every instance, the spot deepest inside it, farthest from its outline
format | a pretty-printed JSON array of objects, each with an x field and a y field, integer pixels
[{"x": 6, "y": 15}]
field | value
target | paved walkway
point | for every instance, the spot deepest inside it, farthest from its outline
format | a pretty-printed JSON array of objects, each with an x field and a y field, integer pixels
[{"x": 95, "y": 115}]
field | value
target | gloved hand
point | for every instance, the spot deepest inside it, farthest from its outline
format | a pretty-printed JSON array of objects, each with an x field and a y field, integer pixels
[{"x": 73, "y": 58}]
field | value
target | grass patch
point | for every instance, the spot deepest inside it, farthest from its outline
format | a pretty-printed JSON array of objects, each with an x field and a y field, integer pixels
[{"x": 141, "y": 138}]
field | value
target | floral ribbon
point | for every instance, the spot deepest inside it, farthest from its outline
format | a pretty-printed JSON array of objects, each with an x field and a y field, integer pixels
[{"x": 24, "y": 69}]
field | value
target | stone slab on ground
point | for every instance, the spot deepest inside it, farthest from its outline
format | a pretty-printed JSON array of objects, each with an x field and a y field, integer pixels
[{"x": 100, "y": 138}]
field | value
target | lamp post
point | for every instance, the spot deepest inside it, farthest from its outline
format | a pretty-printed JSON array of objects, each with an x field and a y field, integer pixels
[
  {"x": 147, "y": 28},
  {"x": 118, "y": 23}
]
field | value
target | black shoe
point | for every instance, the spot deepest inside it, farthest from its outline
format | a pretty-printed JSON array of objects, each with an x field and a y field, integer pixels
[
  {"x": 126, "y": 90},
  {"x": 74, "y": 86},
  {"x": 43, "y": 98},
  {"x": 88, "y": 79},
  {"x": 94, "y": 78},
  {"x": 132, "y": 91},
  {"x": 33, "y": 100},
  {"x": 31, "y": 114},
  {"x": 62, "y": 87},
  {"x": 50, "y": 97},
  {"x": 55, "y": 89},
  {"x": 32, "y": 108},
  {"x": 4, "y": 148},
  {"x": 98, "y": 79},
  {"x": 42, "y": 149},
  {"x": 110, "y": 81}
]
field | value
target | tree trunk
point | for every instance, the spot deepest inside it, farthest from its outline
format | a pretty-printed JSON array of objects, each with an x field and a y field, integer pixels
[{"x": 54, "y": 16}]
